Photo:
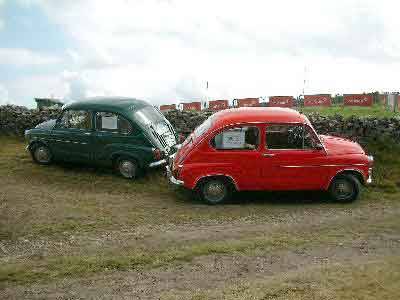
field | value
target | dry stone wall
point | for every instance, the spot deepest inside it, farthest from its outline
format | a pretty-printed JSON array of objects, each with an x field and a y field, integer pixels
[
  {"x": 16, "y": 119},
  {"x": 354, "y": 127}
]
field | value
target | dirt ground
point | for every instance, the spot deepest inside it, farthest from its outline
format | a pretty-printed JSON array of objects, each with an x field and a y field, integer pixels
[{"x": 73, "y": 232}]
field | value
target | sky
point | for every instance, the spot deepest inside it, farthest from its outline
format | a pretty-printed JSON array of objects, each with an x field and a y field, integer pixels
[{"x": 165, "y": 51}]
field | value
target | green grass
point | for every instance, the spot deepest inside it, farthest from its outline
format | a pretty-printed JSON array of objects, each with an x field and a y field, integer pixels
[
  {"x": 50, "y": 268},
  {"x": 386, "y": 166},
  {"x": 347, "y": 111},
  {"x": 53, "y": 203},
  {"x": 377, "y": 279},
  {"x": 85, "y": 199}
]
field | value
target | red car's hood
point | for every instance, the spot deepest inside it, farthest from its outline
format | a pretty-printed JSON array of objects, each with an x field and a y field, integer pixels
[{"x": 337, "y": 145}]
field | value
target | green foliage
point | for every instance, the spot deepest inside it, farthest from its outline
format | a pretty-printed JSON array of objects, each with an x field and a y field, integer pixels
[{"x": 348, "y": 111}]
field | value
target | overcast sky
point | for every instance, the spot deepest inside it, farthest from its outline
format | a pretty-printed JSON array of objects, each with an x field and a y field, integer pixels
[{"x": 165, "y": 51}]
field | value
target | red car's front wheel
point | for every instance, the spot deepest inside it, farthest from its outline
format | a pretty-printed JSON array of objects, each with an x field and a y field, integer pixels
[{"x": 345, "y": 188}]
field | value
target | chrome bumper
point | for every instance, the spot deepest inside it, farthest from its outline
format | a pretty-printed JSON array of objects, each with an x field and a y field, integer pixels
[
  {"x": 158, "y": 163},
  {"x": 172, "y": 179},
  {"x": 162, "y": 161},
  {"x": 369, "y": 180},
  {"x": 370, "y": 162}
]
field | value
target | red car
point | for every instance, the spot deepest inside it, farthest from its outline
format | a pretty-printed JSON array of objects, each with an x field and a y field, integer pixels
[{"x": 275, "y": 149}]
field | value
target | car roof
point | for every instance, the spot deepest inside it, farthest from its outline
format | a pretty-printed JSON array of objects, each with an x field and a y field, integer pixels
[
  {"x": 257, "y": 115},
  {"x": 117, "y": 104}
]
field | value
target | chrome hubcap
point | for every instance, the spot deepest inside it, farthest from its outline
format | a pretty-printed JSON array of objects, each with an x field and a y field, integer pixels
[
  {"x": 127, "y": 168},
  {"x": 344, "y": 189},
  {"x": 42, "y": 155},
  {"x": 214, "y": 191}
]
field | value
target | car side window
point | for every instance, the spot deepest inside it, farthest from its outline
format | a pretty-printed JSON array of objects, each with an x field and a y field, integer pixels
[
  {"x": 289, "y": 136},
  {"x": 238, "y": 138},
  {"x": 111, "y": 122},
  {"x": 76, "y": 119},
  {"x": 310, "y": 140}
]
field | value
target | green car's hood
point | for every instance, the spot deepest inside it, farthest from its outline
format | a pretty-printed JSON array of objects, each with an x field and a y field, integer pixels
[{"x": 47, "y": 125}]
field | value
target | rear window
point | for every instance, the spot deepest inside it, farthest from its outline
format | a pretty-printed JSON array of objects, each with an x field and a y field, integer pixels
[
  {"x": 148, "y": 115},
  {"x": 200, "y": 130}
]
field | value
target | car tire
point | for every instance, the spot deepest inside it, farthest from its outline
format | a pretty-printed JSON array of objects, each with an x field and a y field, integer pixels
[
  {"x": 127, "y": 168},
  {"x": 41, "y": 154},
  {"x": 215, "y": 190},
  {"x": 345, "y": 188}
]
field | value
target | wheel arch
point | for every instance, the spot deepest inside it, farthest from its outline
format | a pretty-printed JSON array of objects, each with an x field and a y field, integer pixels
[
  {"x": 226, "y": 177},
  {"x": 117, "y": 155},
  {"x": 34, "y": 143},
  {"x": 355, "y": 172}
]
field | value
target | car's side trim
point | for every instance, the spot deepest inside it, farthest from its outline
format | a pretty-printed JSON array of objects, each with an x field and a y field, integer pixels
[
  {"x": 217, "y": 174},
  {"x": 317, "y": 166}
]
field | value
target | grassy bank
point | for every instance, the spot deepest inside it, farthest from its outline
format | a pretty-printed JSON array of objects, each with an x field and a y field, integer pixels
[{"x": 378, "y": 111}]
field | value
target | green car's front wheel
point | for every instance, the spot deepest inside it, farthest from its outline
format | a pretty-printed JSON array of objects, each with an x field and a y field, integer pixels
[
  {"x": 41, "y": 154},
  {"x": 127, "y": 167}
]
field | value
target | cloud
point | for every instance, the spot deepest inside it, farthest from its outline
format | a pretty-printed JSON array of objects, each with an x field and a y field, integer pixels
[
  {"x": 3, "y": 95},
  {"x": 1, "y": 19},
  {"x": 165, "y": 51},
  {"x": 27, "y": 87},
  {"x": 20, "y": 57},
  {"x": 343, "y": 28}
]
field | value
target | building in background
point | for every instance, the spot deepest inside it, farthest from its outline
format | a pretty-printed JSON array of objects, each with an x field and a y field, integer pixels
[
  {"x": 281, "y": 101},
  {"x": 246, "y": 102},
  {"x": 318, "y": 100},
  {"x": 48, "y": 103},
  {"x": 168, "y": 107},
  {"x": 216, "y": 105},
  {"x": 190, "y": 106},
  {"x": 358, "y": 99}
]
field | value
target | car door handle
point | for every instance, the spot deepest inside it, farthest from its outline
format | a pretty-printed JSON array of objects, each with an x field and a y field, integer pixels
[
  {"x": 87, "y": 133},
  {"x": 268, "y": 155}
]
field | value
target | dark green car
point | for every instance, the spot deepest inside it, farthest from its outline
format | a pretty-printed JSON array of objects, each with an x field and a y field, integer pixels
[{"x": 125, "y": 133}]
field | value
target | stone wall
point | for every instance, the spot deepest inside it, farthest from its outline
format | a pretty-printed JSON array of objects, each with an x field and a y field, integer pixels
[
  {"x": 16, "y": 119},
  {"x": 353, "y": 127}
]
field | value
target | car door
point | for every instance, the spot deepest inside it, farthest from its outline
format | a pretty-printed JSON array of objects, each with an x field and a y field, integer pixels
[
  {"x": 72, "y": 137},
  {"x": 235, "y": 152},
  {"x": 292, "y": 158},
  {"x": 114, "y": 133}
]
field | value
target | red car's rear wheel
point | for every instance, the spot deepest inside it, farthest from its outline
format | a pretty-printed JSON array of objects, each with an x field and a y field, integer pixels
[{"x": 215, "y": 190}]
